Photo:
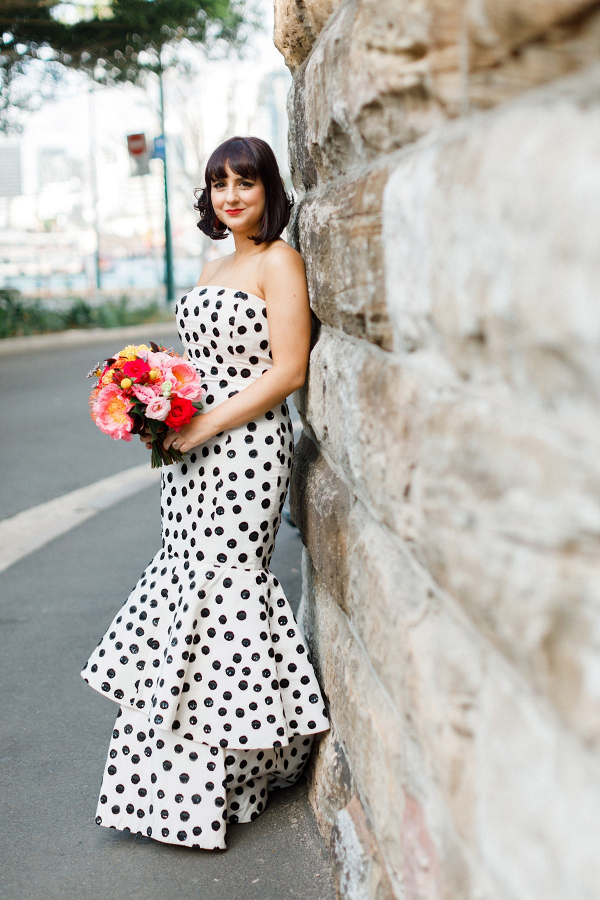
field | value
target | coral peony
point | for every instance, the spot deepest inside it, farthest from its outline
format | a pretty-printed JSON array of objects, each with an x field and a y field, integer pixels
[
  {"x": 187, "y": 384},
  {"x": 158, "y": 408},
  {"x": 181, "y": 412},
  {"x": 110, "y": 413}
]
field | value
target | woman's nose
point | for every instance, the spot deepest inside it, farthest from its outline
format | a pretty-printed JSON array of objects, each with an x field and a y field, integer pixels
[{"x": 231, "y": 193}]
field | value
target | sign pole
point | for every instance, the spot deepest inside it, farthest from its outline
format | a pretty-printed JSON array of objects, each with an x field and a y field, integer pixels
[
  {"x": 94, "y": 180},
  {"x": 169, "y": 280}
]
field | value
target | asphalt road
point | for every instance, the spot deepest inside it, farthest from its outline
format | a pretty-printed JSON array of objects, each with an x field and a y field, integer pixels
[
  {"x": 54, "y": 606},
  {"x": 48, "y": 442}
]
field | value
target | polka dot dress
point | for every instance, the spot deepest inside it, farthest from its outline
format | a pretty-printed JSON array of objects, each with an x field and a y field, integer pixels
[{"x": 218, "y": 698}]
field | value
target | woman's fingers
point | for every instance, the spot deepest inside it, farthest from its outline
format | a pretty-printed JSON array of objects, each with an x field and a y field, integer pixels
[
  {"x": 146, "y": 438},
  {"x": 177, "y": 440}
]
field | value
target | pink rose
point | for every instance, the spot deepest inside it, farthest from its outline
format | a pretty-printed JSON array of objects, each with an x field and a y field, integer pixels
[
  {"x": 144, "y": 392},
  {"x": 187, "y": 384},
  {"x": 110, "y": 413},
  {"x": 158, "y": 408},
  {"x": 162, "y": 361}
]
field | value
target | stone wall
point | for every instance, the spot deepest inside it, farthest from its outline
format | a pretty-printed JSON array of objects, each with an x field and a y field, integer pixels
[{"x": 447, "y": 159}]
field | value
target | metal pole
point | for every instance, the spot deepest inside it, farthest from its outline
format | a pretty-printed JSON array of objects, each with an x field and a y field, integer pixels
[
  {"x": 169, "y": 281},
  {"x": 94, "y": 180}
]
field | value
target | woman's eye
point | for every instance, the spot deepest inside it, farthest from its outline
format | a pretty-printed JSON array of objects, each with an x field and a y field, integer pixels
[
  {"x": 218, "y": 184},
  {"x": 247, "y": 184}
]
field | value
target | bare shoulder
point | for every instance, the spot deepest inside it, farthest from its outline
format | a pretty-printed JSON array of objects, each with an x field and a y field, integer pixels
[
  {"x": 210, "y": 270},
  {"x": 281, "y": 255},
  {"x": 281, "y": 262}
]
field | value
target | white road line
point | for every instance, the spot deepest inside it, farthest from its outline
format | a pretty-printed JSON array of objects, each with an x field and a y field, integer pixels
[{"x": 31, "y": 529}]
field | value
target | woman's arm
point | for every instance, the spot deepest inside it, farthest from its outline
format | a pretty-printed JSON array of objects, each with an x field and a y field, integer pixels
[{"x": 283, "y": 283}]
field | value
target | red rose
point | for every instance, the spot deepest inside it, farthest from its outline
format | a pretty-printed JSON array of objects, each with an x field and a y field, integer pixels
[
  {"x": 136, "y": 369},
  {"x": 182, "y": 412}
]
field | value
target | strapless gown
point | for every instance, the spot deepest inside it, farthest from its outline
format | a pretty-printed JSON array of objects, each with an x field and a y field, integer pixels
[{"x": 218, "y": 699}]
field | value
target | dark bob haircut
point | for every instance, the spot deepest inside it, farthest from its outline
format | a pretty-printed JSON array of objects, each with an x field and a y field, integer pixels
[{"x": 249, "y": 157}]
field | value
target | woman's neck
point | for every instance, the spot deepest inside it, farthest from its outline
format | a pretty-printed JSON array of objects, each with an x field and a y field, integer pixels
[{"x": 244, "y": 247}]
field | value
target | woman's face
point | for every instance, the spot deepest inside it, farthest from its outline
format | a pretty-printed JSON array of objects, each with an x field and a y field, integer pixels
[{"x": 238, "y": 202}]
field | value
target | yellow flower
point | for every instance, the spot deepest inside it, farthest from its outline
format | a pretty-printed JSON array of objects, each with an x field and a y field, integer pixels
[
  {"x": 126, "y": 383},
  {"x": 107, "y": 377},
  {"x": 128, "y": 352},
  {"x": 141, "y": 348},
  {"x": 153, "y": 374}
]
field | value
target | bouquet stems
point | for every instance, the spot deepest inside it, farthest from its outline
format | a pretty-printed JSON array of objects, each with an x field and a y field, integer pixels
[{"x": 162, "y": 457}]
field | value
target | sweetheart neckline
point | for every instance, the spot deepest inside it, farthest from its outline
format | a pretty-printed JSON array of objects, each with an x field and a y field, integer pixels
[{"x": 237, "y": 290}]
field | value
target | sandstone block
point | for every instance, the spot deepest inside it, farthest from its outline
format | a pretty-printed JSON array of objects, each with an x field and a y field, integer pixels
[
  {"x": 501, "y": 510},
  {"x": 353, "y": 91},
  {"x": 297, "y": 26},
  {"x": 490, "y": 254},
  {"x": 398, "y": 752},
  {"x": 366, "y": 720},
  {"x": 497, "y": 25},
  {"x": 444, "y": 666},
  {"x": 331, "y": 783},
  {"x": 339, "y": 230},
  {"x": 539, "y": 795},
  {"x": 385, "y": 72},
  {"x": 357, "y": 862},
  {"x": 425, "y": 659}
]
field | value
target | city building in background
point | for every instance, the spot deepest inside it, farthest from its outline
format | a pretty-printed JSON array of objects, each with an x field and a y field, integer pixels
[{"x": 72, "y": 214}]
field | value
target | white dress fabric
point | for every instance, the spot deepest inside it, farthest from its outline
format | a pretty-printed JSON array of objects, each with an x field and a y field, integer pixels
[{"x": 218, "y": 698}]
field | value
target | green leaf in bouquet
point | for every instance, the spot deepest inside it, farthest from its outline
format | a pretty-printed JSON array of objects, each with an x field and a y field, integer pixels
[{"x": 153, "y": 425}]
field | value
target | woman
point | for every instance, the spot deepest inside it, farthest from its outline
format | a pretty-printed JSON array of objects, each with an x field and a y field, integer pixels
[{"x": 218, "y": 699}]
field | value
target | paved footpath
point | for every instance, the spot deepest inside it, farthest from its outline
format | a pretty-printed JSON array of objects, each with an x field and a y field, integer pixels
[{"x": 54, "y": 731}]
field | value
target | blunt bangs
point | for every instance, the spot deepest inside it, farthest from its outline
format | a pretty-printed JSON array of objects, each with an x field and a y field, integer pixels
[
  {"x": 237, "y": 155},
  {"x": 248, "y": 157}
]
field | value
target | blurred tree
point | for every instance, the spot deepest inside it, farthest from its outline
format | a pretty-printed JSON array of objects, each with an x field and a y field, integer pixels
[{"x": 112, "y": 40}]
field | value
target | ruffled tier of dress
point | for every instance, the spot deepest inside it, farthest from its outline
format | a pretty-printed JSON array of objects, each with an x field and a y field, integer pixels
[
  {"x": 212, "y": 654},
  {"x": 182, "y": 792}
]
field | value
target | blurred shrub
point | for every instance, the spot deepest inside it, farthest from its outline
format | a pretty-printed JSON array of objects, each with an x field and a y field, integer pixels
[{"x": 21, "y": 317}]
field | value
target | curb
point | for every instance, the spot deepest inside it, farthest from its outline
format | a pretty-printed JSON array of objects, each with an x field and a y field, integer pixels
[{"x": 81, "y": 337}]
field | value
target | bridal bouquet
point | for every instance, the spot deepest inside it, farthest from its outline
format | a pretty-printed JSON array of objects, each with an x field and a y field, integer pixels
[{"x": 145, "y": 389}]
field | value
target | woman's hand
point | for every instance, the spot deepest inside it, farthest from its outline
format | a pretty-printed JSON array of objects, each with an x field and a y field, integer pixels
[
  {"x": 195, "y": 432},
  {"x": 146, "y": 438}
]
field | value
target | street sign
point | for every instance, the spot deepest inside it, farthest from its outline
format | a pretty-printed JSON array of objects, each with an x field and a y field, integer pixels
[
  {"x": 138, "y": 154},
  {"x": 159, "y": 148}
]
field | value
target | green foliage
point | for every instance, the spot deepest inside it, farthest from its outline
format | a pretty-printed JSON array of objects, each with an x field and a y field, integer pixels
[
  {"x": 19, "y": 317},
  {"x": 108, "y": 46}
]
